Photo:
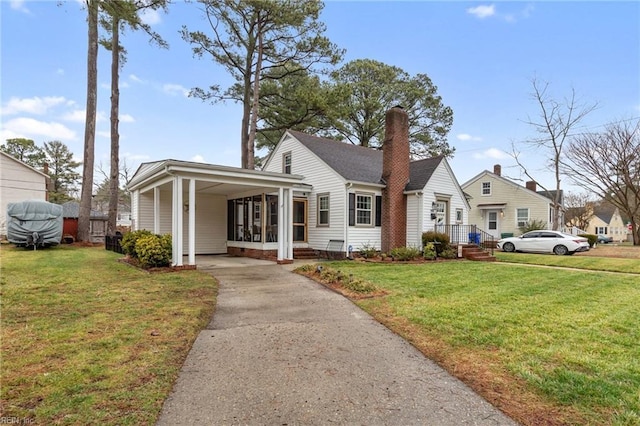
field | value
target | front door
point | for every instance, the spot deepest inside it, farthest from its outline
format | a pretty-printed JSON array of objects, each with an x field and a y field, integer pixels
[
  {"x": 492, "y": 224},
  {"x": 299, "y": 220}
]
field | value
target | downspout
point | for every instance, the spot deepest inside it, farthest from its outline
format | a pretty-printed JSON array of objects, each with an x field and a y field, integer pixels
[{"x": 348, "y": 186}]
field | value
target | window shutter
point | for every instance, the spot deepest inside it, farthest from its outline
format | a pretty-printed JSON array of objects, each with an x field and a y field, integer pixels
[
  {"x": 352, "y": 209},
  {"x": 378, "y": 210}
]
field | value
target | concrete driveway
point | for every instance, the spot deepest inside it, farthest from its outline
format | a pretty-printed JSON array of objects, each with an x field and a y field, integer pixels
[{"x": 283, "y": 350}]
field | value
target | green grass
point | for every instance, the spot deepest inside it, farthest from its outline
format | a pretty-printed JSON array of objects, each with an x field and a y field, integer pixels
[
  {"x": 571, "y": 337},
  {"x": 577, "y": 261},
  {"x": 89, "y": 340}
]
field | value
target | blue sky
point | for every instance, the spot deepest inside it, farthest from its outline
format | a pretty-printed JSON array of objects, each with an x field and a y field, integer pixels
[{"x": 481, "y": 56}]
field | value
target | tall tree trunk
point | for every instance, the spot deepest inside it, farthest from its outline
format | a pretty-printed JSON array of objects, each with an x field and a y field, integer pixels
[
  {"x": 254, "y": 107},
  {"x": 114, "y": 177},
  {"x": 84, "y": 216}
]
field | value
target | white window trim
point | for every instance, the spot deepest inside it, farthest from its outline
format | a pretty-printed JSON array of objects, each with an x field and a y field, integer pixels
[
  {"x": 286, "y": 155},
  {"x": 459, "y": 216},
  {"x": 371, "y": 209},
  {"x": 482, "y": 189},
  {"x": 328, "y": 210},
  {"x": 518, "y": 218}
]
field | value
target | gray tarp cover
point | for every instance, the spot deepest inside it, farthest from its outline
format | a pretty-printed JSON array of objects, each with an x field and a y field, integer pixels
[{"x": 27, "y": 217}]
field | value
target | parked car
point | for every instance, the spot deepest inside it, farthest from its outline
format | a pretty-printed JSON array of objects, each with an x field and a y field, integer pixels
[
  {"x": 544, "y": 241},
  {"x": 603, "y": 239}
]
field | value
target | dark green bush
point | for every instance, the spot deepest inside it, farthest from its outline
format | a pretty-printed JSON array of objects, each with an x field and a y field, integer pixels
[
  {"x": 405, "y": 253},
  {"x": 154, "y": 250},
  {"x": 438, "y": 237},
  {"x": 129, "y": 240},
  {"x": 593, "y": 239},
  {"x": 449, "y": 253}
]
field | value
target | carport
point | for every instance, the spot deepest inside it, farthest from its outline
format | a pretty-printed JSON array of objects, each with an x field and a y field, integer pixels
[{"x": 213, "y": 209}]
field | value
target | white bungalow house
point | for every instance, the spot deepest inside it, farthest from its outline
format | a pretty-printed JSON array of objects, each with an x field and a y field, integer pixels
[
  {"x": 18, "y": 182},
  {"x": 313, "y": 193},
  {"x": 500, "y": 206}
]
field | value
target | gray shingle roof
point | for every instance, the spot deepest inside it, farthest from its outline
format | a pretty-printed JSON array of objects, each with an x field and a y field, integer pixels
[{"x": 360, "y": 164}]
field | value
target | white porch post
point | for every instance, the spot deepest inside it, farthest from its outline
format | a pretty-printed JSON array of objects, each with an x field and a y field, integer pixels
[
  {"x": 289, "y": 223},
  {"x": 176, "y": 221},
  {"x": 420, "y": 217},
  {"x": 156, "y": 210},
  {"x": 192, "y": 221},
  {"x": 281, "y": 224}
]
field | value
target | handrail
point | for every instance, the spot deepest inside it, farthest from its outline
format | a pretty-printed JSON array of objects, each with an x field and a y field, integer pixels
[{"x": 467, "y": 234}]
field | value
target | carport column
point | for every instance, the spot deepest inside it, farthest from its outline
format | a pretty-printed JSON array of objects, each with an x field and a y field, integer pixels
[
  {"x": 289, "y": 223},
  {"x": 192, "y": 221},
  {"x": 281, "y": 224},
  {"x": 176, "y": 222},
  {"x": 156, "y": 210}
]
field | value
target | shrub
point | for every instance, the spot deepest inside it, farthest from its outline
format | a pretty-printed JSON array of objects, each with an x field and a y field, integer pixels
[
  {"x": 359, "y": 285},
  {"x": 429, "y": 251},
  {"x": 129, "y": 240},
  {"x": 438, "y": 237},
  {"x": 405, "y": 253},
  {"x": 368, "y": 251},
  {"x": 154, "y": 250},
  {"x": 533, "y": 225},
  {"x": 593, "y": 239},
  {"x": 449, "y": 253}
]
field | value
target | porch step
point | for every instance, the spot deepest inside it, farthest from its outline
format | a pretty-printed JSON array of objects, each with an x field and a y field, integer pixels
[
  {"x": 477, "y": 254},
  {"x": 304, "y": 253}
]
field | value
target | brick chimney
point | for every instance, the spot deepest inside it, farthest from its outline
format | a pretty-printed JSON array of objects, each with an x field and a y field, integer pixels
[
  {"x": 531, "y": 185},
  {"x": 497, "y": 170},
  {"x": 395, "y": 173}
]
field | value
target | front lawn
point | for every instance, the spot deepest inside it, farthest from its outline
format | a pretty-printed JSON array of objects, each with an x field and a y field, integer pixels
[
  {"x": 578, "y": 260},
  {"x": 547, "y": 346},
  {"x": 89, "y": 340}
]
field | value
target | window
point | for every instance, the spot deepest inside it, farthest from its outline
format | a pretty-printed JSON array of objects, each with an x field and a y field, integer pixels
[
  {"x": 286, "y": 163},
  {"x": 364, "y": 206},
  {"x": 323, "y": 209},
  {"x": 486, "y": 188},
  {"x": 601, "y": 230},
  {"x": 458, "y": 215},
  {"x": 522, "y": 216}
]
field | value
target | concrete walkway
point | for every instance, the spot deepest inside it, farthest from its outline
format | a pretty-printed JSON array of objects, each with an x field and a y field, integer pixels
[{"x": 283, "y": 350}]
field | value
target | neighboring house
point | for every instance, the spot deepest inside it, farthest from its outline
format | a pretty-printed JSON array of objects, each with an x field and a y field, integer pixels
[
  {"x": 97, "y": 223},
  {"x": 606, "y": 220},
  {"x": 313, "y": 193},
  {"x": 18, "y": 182},
  {"x": 501, "y": 206}
]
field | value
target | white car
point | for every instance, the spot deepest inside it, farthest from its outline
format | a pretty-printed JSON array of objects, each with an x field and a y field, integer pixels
[{"x": 543, "y": 241}]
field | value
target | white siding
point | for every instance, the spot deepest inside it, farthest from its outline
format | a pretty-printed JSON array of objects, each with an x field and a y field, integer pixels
[
  {"x": 18, "y": 182},
  {"x": 324, "y": 180},
  {"x": 443, "y": 186},
  {"x": 145, "y": 211},
  {"x": 211, "y": 224},
  {"x": 513, "y": 195},
  {"x": 413, "y": 224}
]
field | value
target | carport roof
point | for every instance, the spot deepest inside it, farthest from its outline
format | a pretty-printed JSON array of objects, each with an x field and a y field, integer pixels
[{"x": 226, "y": 179}]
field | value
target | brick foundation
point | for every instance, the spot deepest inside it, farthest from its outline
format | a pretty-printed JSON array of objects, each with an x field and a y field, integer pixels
[{"x": 253, "y": 253}]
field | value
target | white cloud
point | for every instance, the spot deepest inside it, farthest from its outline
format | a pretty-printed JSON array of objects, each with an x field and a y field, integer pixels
[
  {"x": 468, "y": 137},
  {"x": 137, "y": 79},
  {"x": 60, "y": 71},
  {"x": 494, "y": 153},
  {"x": 482, "y": 11},
  {"x": 175, "y": 89},
  {"x": 150, "y": 17},
  {"x": 29, "y": 127},
  {"x": 19, "y": 6},
  {"x": 198, "y": 158},
  {"x": 35, "y": 105},
  {"x": 79, "y": 116},
  {"x": 488, "y": 11},
  {"x": 126, "y": 118}
]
